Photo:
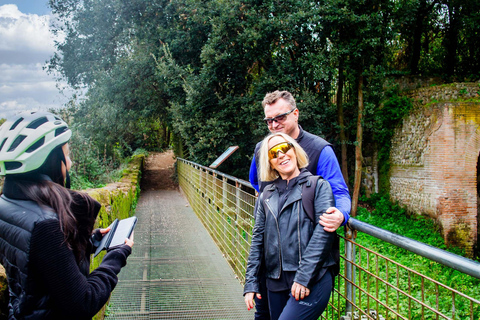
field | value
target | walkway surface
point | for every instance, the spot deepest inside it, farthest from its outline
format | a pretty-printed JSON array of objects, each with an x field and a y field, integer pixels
[{"x": 175, "y": 271}]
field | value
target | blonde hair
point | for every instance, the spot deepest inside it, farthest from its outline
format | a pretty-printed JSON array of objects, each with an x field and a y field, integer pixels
[{"x": 267, "y": 173}]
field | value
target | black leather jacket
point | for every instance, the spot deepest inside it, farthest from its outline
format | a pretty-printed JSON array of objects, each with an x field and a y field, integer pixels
[{"x": 288, "y": 239}]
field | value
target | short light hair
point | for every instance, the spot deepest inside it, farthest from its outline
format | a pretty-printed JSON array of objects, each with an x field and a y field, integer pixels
[
  {"x": 267, "y": 173},
  {"x": 272, "y": 97}
]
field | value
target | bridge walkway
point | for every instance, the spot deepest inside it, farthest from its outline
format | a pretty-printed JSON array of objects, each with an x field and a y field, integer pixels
[{"x": 175, "y": 271}]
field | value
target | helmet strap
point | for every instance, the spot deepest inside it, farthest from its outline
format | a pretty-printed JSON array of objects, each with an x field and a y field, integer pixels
[
  {"x": 67, "y": 181},
  {"x": 64, "y": 161}
]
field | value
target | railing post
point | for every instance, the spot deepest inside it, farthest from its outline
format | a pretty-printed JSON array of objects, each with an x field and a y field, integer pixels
[
  {"x": 219, "y": 226},
  {"x": 225, "y": 194},
  {"x": 349, "y": 268},
  {"x": 237, "y": 200},
  {"x": 201, "y": 195},
  {"x": 237, "y": 217}
]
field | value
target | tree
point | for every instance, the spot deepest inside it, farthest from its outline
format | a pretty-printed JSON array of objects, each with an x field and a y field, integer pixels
[
  {"x": 109, "y": 49},
  {"x": 200, "y": 69},
  {"x": 358, "y": 33}
]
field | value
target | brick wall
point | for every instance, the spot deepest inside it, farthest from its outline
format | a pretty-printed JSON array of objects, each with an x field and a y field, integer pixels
[{"x": 434, "y": 159}]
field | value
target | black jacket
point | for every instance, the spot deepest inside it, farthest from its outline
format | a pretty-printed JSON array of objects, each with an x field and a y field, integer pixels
[
  {"x": 288, "y": 239},
  {"x": 45, "y": 279}
]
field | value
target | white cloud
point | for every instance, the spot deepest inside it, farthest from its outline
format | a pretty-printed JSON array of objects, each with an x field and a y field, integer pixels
[
  {"x": 21, "y": 32},
  {"x": 22, "y": 72},
  {"x": 26, "y": 43},
  {"x": 12, "y": 107}
]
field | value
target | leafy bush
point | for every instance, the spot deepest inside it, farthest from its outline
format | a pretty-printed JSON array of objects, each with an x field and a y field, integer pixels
[
  {"x": 392, "y": 110},
  {"x": 92, "y": 167},
  {"x": 140, "y": 151}
]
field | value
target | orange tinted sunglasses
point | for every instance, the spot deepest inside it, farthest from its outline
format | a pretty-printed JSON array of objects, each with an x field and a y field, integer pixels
[{"x": 282, "y": 147}]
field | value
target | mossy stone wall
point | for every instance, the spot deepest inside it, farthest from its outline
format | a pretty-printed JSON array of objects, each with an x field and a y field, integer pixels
[
  {"x": 434, "y": 159},
  {"x": 118, "y": 201}
]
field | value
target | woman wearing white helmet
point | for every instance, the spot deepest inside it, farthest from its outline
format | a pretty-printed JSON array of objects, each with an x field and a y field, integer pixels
[{"x": 46, "y": 229}]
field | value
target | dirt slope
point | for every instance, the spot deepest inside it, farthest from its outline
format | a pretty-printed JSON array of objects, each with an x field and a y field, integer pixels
[{"x": 159, "y": 169}]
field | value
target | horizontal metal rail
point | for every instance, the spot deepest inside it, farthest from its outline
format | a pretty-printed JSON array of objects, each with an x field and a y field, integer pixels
[
  {"x": 369, "y": 286},
  {"x": 446, "y": 258},
  {"x": 242, "y": 182}
]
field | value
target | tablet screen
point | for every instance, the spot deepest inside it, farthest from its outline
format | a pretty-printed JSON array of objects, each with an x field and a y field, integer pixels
[{"x": 123, "y": 231}]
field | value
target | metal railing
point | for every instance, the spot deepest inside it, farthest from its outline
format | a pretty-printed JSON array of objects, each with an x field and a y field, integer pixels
[{"x": 371, "y": 286}]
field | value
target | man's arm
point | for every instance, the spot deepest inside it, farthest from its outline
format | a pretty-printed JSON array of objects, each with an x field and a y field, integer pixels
[
  {"x": 253, "y": 175},
  {"x": 329, "y": 168}
]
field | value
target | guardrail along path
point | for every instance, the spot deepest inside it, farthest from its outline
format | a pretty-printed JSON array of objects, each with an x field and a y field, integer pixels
[{"x": 175, "y": 270}]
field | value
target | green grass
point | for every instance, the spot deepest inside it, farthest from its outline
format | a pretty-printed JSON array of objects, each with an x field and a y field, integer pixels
[{"x": 389, "y": 216}]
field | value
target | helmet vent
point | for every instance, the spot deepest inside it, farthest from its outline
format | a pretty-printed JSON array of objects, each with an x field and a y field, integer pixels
[
  {"x": 3, "y": 143},
  {"x": 37, "y": 123},
  {"x": 17, "y": 141},
  {"x": 15, "y": 124},
  {"x": 36, "y": 145},
  {"x": 59, "y": 131},
  {"x": 12, "y": 165}
]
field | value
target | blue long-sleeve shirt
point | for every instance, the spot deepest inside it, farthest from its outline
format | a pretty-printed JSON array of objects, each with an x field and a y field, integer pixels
[{"x": 327, "y": 167}]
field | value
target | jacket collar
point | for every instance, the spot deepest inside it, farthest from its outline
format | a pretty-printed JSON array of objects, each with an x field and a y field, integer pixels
[
  {"x": 300, "y": 134},
  {"x": 11, "y": 186},
  {"x": 295, "y": 194}
]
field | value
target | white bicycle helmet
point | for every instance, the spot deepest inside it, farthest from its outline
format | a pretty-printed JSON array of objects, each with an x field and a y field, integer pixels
[{"x": 27, "y": 139}]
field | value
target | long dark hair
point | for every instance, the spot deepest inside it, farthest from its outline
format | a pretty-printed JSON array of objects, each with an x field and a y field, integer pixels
[{"x": 52, "y": 193}]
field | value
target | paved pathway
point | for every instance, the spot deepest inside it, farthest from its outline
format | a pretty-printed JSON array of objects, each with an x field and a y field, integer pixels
[{"x": 175, "y": 271}]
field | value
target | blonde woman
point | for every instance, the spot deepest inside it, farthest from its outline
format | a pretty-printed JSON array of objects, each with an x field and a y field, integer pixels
[{"x": 296, "y": 250}]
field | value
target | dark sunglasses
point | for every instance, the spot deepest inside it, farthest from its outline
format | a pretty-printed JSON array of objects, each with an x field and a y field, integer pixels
[
  {"x": 280, "y": 118},
  {"x": 281, "y": 147}
]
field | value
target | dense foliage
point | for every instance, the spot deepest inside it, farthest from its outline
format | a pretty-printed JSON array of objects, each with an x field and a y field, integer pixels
[{"x": 198, "y": 70}]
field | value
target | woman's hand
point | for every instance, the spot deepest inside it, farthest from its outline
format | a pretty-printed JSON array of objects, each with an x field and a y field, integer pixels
[
  {"x": 299, "y": 291},
  {"x": 249, "y": 299},
  {"x": 129, "y": 242},
  {"x": 98, "y": 235},
  {"x": 104, "y": 231}
]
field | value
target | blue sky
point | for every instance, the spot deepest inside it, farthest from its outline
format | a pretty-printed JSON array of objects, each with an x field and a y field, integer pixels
[
  {"x": 26, "y": 43},
  {"x": 39, "y": 7}
]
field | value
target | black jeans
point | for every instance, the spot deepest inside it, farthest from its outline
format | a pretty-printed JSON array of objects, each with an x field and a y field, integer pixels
[
  {"x": 283, "y": 305},
  {"x": 262, "y": 311}
]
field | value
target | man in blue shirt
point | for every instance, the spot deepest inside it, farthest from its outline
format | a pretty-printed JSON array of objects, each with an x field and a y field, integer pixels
[{"x": 281, "y": 115}]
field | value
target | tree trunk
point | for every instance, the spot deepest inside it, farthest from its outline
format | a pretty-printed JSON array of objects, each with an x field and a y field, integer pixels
[
  {"x": 358, "y": 150},
  {"x": 451, "y": 38},
  {"x": 165, "y": 137},
  {"x": 417, "y": 37},
  {"x": 420, "y": 15},
  {"x": 343, "y": 139}
]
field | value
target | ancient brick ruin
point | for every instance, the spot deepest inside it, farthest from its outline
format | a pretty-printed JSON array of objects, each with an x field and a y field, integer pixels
[{"x": 434, "y": 159}]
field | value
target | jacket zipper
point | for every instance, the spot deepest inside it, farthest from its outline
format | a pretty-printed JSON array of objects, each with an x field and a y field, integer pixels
[
  {"x": 298, "y": 233},
  {"x": 278, "y": 232}
]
